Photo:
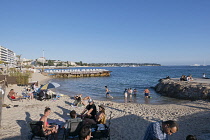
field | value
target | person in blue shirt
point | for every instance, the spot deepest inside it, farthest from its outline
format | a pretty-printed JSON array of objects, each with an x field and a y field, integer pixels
[{"x": 160, "y": 130}]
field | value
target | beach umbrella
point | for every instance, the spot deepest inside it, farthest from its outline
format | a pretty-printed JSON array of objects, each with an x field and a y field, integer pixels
[{"x": 50, "y": 85}]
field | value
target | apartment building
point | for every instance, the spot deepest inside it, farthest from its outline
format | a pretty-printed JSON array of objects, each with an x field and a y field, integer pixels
[{"x": 7, "y": 55}]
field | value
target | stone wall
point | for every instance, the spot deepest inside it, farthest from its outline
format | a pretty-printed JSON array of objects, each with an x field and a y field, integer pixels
[{"x": 183, "y": 89}]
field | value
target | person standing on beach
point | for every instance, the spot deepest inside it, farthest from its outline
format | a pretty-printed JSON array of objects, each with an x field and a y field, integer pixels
[
  {"x": 135, "y": 92},
  {"x": 204, "y": 75},
  {"x": 146, "y": 93},
  {"x": 160, "y": 130},
  {"x": 130, "y": 92},
  {"x": 108, "y": 92},
  {"x": 126, "y": 93}
]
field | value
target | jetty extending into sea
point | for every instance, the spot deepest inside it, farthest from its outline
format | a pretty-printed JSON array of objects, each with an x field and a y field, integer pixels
[
  {"x": 68, "y": 73},
  {"x": 198, "y": 89}
]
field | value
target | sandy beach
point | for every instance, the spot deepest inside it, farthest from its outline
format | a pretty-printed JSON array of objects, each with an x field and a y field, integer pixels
[{"x": 129, "y": 120}]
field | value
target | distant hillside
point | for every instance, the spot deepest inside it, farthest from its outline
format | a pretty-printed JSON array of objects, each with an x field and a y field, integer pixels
[{"x": 122, "y": 64}]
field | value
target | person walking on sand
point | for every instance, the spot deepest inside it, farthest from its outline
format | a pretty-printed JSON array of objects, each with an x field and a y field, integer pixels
[
  {"x": 108, "y": 92},
  {"x": 160, "y": 130},
  {"x": 146, "y": 93}
]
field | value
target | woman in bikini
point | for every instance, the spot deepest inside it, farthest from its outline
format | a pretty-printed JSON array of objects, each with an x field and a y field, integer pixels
[{"x": 48, "y": 129}]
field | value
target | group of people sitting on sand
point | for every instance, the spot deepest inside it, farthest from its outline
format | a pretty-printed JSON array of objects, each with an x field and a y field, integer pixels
[
  {"x": 30, "y": 94},
  {"x": 88, "y": 117},
  {"x": 159, "y": 130},
  {"x": 186, "y": 78}
]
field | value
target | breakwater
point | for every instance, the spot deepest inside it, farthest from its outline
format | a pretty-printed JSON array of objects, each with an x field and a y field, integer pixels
[
  {"x": 198, "y": 89},
  {"x": 67, "y": 73}
]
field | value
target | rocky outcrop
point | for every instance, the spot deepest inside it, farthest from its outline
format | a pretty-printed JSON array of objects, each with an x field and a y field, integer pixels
[{"x": 183, "y": 89}]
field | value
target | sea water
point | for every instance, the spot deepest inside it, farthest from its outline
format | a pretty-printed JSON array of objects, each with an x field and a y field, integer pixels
[{"x": 128, "y": 77}]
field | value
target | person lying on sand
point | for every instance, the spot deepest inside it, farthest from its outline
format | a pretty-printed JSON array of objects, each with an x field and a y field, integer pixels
[
  {"x": 80, "y": 101},
  {"x": 13, "y": 95}
]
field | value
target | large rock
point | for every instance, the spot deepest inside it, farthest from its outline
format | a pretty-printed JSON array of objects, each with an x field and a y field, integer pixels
[{"x": 183, "y": 89}]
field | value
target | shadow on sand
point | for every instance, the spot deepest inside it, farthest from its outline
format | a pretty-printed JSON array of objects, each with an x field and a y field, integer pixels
[{"x": 133, "y": 127}]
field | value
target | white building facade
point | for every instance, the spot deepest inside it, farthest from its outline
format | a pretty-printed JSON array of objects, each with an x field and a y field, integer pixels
[{"x": 7, "y": 55}]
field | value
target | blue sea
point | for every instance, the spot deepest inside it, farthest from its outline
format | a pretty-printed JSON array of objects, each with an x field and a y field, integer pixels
[{"x": 128, "y": 77}]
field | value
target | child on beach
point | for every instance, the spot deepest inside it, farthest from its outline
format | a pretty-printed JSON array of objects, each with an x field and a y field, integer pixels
[{"x": 107, "y": 92}]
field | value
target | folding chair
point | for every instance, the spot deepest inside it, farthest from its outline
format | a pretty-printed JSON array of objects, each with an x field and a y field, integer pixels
[
  {"x": 37, "y": 131},
  {"x": 73, "y": 128}
]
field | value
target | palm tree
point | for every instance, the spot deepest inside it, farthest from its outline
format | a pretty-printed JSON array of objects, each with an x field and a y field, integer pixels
[{"x": 18, "y": 61}]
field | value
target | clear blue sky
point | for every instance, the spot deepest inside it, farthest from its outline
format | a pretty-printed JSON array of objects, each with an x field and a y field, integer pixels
[{"x": 139, "y": 31}]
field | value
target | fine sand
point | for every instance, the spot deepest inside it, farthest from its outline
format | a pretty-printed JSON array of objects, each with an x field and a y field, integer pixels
[{"x": 129, "y": 121}]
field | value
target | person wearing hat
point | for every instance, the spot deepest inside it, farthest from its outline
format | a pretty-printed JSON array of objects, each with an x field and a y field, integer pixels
[
  {"x": 101, "y": 116},
  {"x": 90, "y": 109}
]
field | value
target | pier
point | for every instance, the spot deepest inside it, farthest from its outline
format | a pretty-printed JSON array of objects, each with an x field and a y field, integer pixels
[
  {"x": 76, "y": 73},
  {"x": 198, "y": 89}
]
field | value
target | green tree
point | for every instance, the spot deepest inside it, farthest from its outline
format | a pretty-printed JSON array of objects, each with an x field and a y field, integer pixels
[
  {"x": 19, "y": 64},
  {"x": 60, "y": 64},
  {"x": 50, "y": 63},
  {"x": 79, "y": 63}
]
